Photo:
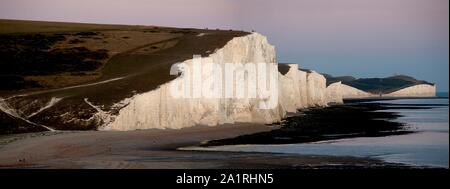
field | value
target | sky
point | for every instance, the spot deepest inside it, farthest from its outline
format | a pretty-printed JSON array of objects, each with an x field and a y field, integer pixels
[{"x": 363, "y": 38}]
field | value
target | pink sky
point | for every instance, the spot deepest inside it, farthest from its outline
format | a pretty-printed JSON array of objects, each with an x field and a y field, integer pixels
[{"x": 365, "y": 38}]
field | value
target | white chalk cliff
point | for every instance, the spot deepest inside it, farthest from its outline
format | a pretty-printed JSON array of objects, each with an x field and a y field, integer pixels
[
  {"x": 159, "y": 109},
  {"x": 351, "y": 92},
  {"x": 422, "y": 90},
  {"x": 334, "y": 93},
  {"x": 295, "y": 90}
]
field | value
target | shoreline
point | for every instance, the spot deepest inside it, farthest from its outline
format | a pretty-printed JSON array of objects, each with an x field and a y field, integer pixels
[
  {"x": 164, "y": 149},
  {"x": 328, "y": 134},
  {"x": 328, "y": 123},
  {"x": 157, "y": 149},
  {"x": 371, "y": 99}
]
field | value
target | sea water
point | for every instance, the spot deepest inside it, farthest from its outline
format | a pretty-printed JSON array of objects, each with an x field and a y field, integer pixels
[{"x": 427, "y": 146}]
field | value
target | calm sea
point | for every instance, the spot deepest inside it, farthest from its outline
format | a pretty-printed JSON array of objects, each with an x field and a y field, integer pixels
[{"x": 428, "y": 146}]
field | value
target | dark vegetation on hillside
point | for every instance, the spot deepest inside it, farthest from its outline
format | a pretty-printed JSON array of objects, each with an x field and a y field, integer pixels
[
  {"x": 32, "y": 54},
  {"x": 15, "y": 82},
  {"x": 12, "y": 125},
  {"x": 377, "y": 85},
  {"x": 305, "y": 70},
  {"x": 182, "y": 31},
  {"x": 283, "y": 68},
  {"x": 86, "y": 34},
  {"x": 331, "y": 79}
]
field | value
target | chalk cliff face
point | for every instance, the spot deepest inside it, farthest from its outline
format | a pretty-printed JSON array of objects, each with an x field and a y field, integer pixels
[
  {"x": 338, "y": 91},
  {"x": 351, "y": 92},
  {"x": 393, "y": 86},
  {"x": 290, "y": 90},
  {"x": 334, "y": 93},
  {"x": 299, "y": 89},
  {"x": 159, "y": 109},
  {"x": 347, "y": 92},
  {"x": 316, "y": 84},
  {"x": 422, "y": 90}
]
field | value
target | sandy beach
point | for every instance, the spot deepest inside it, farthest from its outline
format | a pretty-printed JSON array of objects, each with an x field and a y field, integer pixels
[{"x": 154, "y": 149}]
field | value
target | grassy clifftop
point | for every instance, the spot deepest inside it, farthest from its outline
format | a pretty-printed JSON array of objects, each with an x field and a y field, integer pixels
[{"x": 43, "y": 55}]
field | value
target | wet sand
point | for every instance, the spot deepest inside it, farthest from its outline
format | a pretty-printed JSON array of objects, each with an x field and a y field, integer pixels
[{"x": 155, "y": 149}]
